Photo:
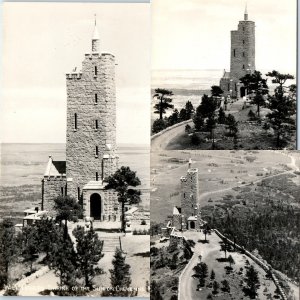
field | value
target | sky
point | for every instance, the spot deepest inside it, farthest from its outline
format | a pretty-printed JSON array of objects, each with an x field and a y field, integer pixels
[
  {"x": 195, "y": 34},
  {"x": 44, "y": 41}
]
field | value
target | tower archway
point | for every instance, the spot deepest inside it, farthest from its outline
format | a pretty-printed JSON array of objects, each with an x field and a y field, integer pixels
[
  {"x": 95, "y": 206},
  {"x": 192, "y": 225},
  {"x": 243, "y": 91}
]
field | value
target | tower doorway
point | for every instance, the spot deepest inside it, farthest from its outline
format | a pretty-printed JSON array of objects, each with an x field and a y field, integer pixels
[
  {"x": 243, "y": 91},
  {"x": 192, "y": 225},
  {"x": 95, "y": 206}
]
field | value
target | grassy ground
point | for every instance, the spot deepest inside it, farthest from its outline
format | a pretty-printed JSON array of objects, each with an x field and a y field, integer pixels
[
  {"x": 218, "y": 171},
  {"x": 251, "y": 135}
]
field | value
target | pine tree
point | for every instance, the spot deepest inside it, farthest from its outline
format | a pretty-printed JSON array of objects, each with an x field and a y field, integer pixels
[
  {"x": 201, "y": 271},
  {"x": 8, "y": 249},
  {"x": 164, "y": 101},
  {"x": 252, "y": 281},
  {"x": 122, "y": 182},
  {"x": 212, "y": 275},
  {"x": 120, "y": 274},
  {"x": 67, "y": 209},
  {"x": 62, "y": 259},
  {"x": 89, "y": 252}
]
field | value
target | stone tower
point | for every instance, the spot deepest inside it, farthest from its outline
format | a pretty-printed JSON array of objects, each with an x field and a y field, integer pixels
[
  {"x": 242, "y": 57},
  {"x": 189, "y": 194},
  {"x": 91, "y": 120}
]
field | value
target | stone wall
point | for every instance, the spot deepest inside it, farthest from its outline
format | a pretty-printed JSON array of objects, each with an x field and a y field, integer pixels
[
  {"x": 242, "y": 53},
  {"x": 53, "y": 187},
  {"x": 110, "y": 207},
  {"x": 97, "y": 78}
]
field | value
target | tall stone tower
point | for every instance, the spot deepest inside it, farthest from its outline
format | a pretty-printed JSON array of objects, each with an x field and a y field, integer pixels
[
  {"x": 91, "y": 120},
  {"x": 189, "y": 194},
  {"x": 242, "y": 58}
]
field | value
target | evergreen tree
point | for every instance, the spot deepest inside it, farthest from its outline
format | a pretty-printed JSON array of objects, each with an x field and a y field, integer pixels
[
  {"x": 8, "y": 249},
  {"x": 232, "y": 125},
  {"x": 222, "y": 116},
  {"x": 154, "y": 291},
  {"x": 212, "y": 275},
  {"x": 174, "y": 117},
  {"x": 198, "y": 120},
  {"x": 216, "y": 91},
  {"x": 63, "y": 260},
  {"x": 225, "y": 286},
  {"x": 282, "y": 107},
  {"x": 183, "y": 115},
  {"x": 89, "y": 252},
  {"x": 231, "y": 260},
  {"x": 120, "y": 274},
  {"x": 201, "y": 271},
  {"x": 252, "y": 281},
  {"x": 255, "y": 84},
  {"x": 164, "y": 101},
  {"x": 189, "y": 108},
  {"x": 225, "y": 247},
  {"x": 67, "y": 209},
  {"x": 122, "y": 181},
  {"x": 216, "y": 287},
  {"x": 158, "y": 125},
  {"x": 30, "y": 245}
]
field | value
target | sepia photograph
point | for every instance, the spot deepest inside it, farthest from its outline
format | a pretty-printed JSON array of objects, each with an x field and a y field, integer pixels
[
  {"x": 75, "y": 151},
  {"x": 225, "y": 224},
  {"x": 224, "y": 74}
]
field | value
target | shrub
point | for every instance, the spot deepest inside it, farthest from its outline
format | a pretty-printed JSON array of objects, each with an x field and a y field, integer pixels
[
  {"x": 143, "y": 222},
  {"x": 195, "y": 140}
]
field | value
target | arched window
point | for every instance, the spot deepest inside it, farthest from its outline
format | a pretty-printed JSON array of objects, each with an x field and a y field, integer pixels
[
  {"x": 97, "y": 151},
  {"x": 75, "y": 121},
  {"x": 96, "y": 124}
]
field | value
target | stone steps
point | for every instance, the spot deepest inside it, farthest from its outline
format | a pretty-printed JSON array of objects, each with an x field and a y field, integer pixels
[{"x": 110, "y": 243}]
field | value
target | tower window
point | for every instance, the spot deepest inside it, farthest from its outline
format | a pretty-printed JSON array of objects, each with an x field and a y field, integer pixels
[
  {"x": 75, "y": 121},
  {"x": 234, "y": 52},
  {"x": 228, "y": 87},
  {"x": 243, "y": 67},
  {"x": 96, "y": 98},
  {"x": 96, "y": 71},
  {"x": 97, "y": 176},
  {"x": 243, "y": 28},
  {"x": 243, "y": 54},
  {"x": 78, "y": 193},
  {"x": 96, "y": 124},
  {"x": 97, "y": 151},
  {"x": 183, "y": 195},
  {"x": 243, "y": 42},
  {"x": 62, "y": 191}
]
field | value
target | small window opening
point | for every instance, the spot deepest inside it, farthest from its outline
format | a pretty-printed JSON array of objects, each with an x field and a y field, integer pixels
[
  {"x": 78, "y": 193},
  {"x": 96, "y": 98},
  {"x": 62, "y": 191},
  {"x": 75, "y": 121},
  {"x": 243, "y": 54},
  {"x": 96, "y": 71},
  {"x": 96, "y": 124},
  {"x": 243, "y": 67},
  {"x": 97, "y": 176},
  {"x": 97, "y": 151},
  {"x": 234, "y": 52}
]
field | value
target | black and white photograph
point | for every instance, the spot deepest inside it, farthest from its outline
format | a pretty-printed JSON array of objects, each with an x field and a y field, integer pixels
[
  {"x": 75, "y": 152},
  {"x": 225, "y": 224},
  {"x": 224, "y": 74}
]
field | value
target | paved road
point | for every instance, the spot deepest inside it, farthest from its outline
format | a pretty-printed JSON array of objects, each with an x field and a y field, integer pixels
[
  {"x": 160, "y": 142},
  {"x": 186, "y": 281}
]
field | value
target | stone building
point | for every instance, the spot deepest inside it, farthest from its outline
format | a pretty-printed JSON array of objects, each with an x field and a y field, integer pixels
[
  {"x": 91, "y": 139},
  {"x": 242, "y": 58},
  {"x": 188, "y": 215}
]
